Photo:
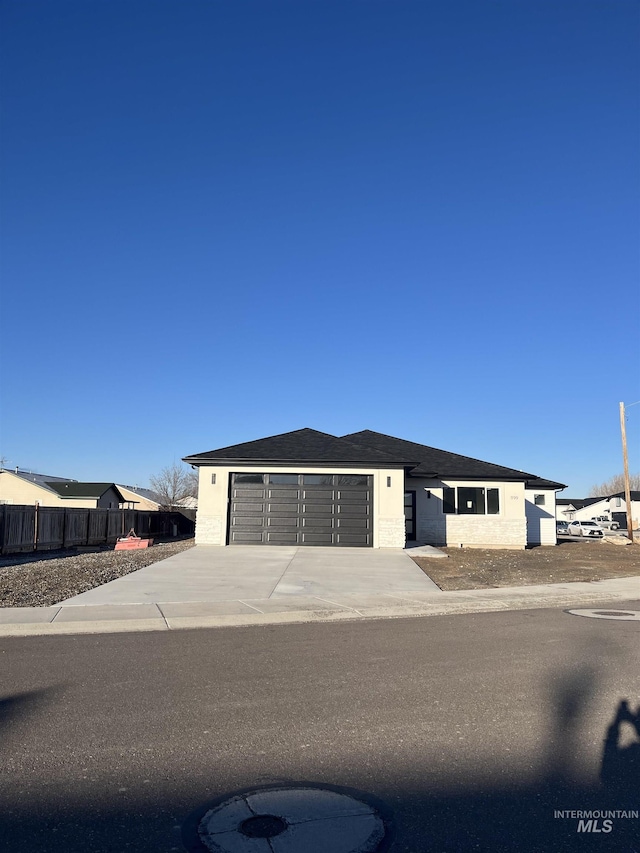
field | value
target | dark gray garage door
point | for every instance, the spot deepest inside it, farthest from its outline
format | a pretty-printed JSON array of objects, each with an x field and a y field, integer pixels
[{"x": 301, "y": 509}]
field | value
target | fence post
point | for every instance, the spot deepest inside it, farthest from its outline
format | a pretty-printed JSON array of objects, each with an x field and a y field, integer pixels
[
  {"x": 3, "y": 512},
  {"x": 35, "y": 528}
]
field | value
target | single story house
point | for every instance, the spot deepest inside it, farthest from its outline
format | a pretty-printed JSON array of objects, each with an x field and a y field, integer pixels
[
  {"x": 612, "y": 507},
  {"x": 27, "y": 488},
  {"x": 139, "y": 498},
  {"x": 577, "y": 509},
  {"x": 89, "y": 495},
  {"x": 366, "y": 489}
]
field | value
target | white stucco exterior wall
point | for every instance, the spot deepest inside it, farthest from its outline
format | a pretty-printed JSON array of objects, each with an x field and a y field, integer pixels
[
  {"x": 541, "y": 518},
  {"x": 507, "y": 529},
  {"x": 213, "y": 500}
]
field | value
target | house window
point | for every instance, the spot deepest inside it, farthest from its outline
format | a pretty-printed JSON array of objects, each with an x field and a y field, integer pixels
[
  {"x": 449, "y": 500},
  {"x": 466, "y": 500},
  {"x": 538, "y": 500}
]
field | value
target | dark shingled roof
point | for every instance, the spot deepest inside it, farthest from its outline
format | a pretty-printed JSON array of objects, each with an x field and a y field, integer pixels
[
  {"x": 84, "y": 490},
  {"x": 578, "y": 503},
  {"x": 431, "y": 462},
  {"x": 308, "y": 446},
  {"x": 540, "y": 483},
  {"x": 301, "y": 445},
  {"x": 581, "y": 503},
  {"x": 635, "y": 496}
]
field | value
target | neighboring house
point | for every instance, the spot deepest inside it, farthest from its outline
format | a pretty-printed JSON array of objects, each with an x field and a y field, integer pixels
[
  {"x": 613, "y": 507},
  {"x": 366, "y": 490},
  {"x": 27, "y": 488},
  {"x": 618, "y": 508},
  {"x": 577, "y": 509},
  {"x": 188, "y": 503},
  {"x": 137, "y": 498},
  {"x": 89, "y": 495}
]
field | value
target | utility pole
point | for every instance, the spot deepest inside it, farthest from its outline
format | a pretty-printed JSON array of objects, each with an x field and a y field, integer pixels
[{"x": 627, "y": 487}]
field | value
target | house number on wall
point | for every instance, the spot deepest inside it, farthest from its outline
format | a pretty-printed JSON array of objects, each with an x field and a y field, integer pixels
[{"x": 515, "y": 497}]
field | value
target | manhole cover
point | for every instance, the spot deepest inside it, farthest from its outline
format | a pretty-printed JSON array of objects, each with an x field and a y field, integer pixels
[
  {"x": 617, "y": 615},
  {"x": 292, "y": 819}
]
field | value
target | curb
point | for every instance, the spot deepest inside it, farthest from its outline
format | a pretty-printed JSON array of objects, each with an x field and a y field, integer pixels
[{"x": 443, "y": 604}]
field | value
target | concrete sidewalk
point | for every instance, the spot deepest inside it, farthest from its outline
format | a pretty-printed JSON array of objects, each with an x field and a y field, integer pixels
[{"x": 165, "y": 616}]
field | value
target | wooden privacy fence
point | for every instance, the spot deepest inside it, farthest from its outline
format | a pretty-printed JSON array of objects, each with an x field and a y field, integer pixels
[{"x": 42, "y": 528}]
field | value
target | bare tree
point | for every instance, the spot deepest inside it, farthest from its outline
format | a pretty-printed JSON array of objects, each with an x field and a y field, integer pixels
[
  {"x": 614, "y": 485},
  {"x": 173, "y": 484}
]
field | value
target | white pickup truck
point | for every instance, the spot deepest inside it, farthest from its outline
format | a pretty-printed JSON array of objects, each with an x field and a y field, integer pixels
[{"x": 605, "y": 522}]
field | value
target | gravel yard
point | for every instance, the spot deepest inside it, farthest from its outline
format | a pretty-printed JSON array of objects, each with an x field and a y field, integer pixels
[
  {"x": 570, "y": 560},
  {"x": 40, "y": 579}
]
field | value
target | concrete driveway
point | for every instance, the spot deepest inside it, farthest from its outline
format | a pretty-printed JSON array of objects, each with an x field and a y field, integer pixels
[{"x": 241, "y": 573}]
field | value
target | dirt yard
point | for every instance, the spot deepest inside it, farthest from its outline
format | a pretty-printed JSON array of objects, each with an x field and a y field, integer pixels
[{"x": 571, "y": 560}]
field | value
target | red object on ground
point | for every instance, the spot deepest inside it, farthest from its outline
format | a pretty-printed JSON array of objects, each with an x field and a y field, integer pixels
[{"x": 131, "y": 542}]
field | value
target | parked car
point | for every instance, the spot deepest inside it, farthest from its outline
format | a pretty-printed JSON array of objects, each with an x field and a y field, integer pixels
[
  {"x": 562, "y": 528},
  {"x": 605, "y": 522},
  {"x": 586, "y": 528}
]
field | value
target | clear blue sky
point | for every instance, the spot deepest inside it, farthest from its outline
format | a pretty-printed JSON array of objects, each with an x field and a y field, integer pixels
[{"x": 226, "y": 220}]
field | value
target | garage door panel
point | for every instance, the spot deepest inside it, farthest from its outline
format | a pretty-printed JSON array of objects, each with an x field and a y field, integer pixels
[
  {"x": 316, "y": 538},
  {"x": 275, "y": 538},
  {"x": 248, "y": 508},
  {"x": 283, "y": 523},
  {"x": 327, "y": 521},
  {"x": 318, "y": 495},
  {"x": 248, "y": 493},
  {"x": 353, "y": 539},
  {"x": 317, "y": 509},
  {"x": 243, "y": 537},
  {"x": 290, "y": 508},
  {"x": 352, "y": 510},
  {"x": 282, "y": 494},
  {"x": 312, "y": 514},
  {"x": 350, "y": 495},
  {"x": 353, "y": 523}
]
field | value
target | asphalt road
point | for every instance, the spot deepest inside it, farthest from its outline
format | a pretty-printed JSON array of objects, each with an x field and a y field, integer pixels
[{"x": 471, "y": 729}]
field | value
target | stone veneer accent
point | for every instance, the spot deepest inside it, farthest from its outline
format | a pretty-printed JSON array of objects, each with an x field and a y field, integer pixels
[
  {"x": 480, "y": 531},
  {"x": 391, "y": 532},
  {"x": 209, "y": 530}
]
